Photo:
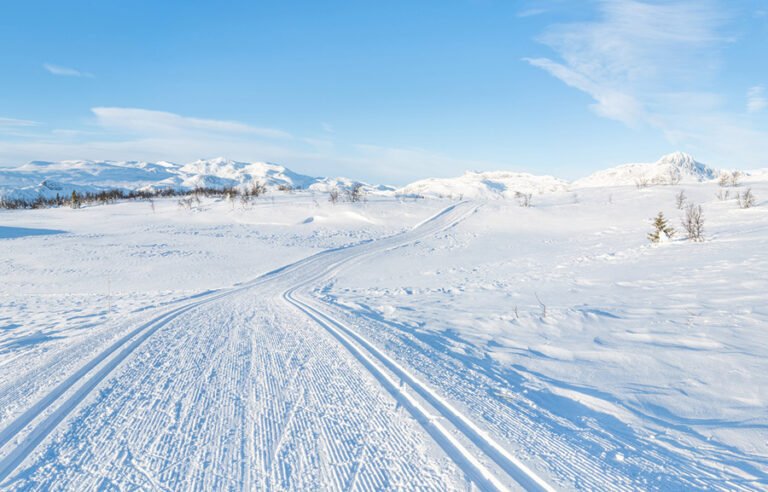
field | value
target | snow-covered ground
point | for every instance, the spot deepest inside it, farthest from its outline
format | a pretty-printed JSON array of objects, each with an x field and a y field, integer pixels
[{"x": 411, "y": 343}]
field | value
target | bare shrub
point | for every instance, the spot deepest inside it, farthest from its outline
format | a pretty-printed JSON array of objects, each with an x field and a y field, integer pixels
[
  {"x": 333, "y": 196},
  {"x": 186, "y": 203},
  {"x": 746, "y": 199},
  {"x": 680, "y": 199},
  {"x": 355, "y": 193},
  {"x": 257, "y": 189},
  {"x": 729, "y": 179},
  {"x": 693, "y": 222},
  {"x": 523, "y": 199}
]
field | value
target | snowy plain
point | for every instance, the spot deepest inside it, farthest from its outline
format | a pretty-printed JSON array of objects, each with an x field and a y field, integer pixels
[{"x": 412, "y": 343}]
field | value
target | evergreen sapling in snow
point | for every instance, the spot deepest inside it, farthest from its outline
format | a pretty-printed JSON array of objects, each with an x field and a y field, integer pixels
[{"x": 662, "y": 231}]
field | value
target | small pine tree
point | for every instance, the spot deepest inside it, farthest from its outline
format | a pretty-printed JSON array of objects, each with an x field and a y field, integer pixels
[
  {"x": 661, "y": 229},
  {"x": 75, "y": 201}
]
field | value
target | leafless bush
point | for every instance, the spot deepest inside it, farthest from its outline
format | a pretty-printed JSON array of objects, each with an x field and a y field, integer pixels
[
  {"x": 680, "y": 199},
  {"x": 723, "y": 195},
  {"x": 746, "y": 199},
  {"x": 258, "y": 189},
  {"x": 729, "y": 179},
  {"x": 674, "y": 176},
  {"x": 641, "y": 183},
  {"x": 693, "y": 222},
  {"x": 523, "y": 199},
  {"x": 355, "y": 193},
  {"x": 333, "y": 196},
  {"x": 186, "y": 203},
  {"x": 286, "y": 188}
]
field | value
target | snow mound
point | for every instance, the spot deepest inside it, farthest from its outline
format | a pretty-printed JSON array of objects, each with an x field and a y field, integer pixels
[
  {"x": 677, "y": 167},
  {"x": 484, "y": 185}
]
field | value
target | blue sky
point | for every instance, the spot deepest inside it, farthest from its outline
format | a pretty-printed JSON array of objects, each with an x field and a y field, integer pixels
[{"x": 387, "y": 91}]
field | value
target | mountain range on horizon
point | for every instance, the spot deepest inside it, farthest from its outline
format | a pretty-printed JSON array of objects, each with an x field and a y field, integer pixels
[{"x": 43, "y": 178}]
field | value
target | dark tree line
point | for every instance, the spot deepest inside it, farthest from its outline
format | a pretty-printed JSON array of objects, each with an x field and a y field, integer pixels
[{"x": 78, "y": 199}]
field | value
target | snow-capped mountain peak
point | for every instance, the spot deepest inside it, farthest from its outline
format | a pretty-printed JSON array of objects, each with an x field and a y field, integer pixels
[{"x": 672, "y": 168}]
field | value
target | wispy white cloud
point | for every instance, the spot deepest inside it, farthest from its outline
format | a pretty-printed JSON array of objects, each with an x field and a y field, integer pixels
[
  {"x": 609, "y": 101},
  {"x": 14, "y": 123},
  {"x": 149, "y": 122},
  {"x": 756, "y": 99},
  {"x": 134, "y": 133},
  {"x": 633, "y": 49},
  {"x": 531, "y": 12},
  {"x": 655, "y": 64},
  {"x": 65, "y": 71}
]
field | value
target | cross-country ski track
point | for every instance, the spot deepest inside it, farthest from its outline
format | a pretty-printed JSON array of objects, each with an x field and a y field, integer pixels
[
  {"x": 270, "y": 385},
  {"x": 79, "y": 409}
]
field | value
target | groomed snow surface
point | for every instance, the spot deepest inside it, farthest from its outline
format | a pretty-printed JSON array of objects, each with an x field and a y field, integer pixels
[{"x": 393, "y": 344}]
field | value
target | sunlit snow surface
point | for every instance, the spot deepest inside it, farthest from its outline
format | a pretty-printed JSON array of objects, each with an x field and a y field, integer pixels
[{"x": 597, "y": 360}]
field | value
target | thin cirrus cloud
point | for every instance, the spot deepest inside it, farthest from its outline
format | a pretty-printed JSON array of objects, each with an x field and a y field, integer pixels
[
  {"x": 633, "y": 51},
  {"x": 652, "y": 64},
  {"x": 65, "y": 71},
  {"x": 157, "y": 123},
  {"x": 14, "y": 123},
  {"x": 142, "y": 134}
]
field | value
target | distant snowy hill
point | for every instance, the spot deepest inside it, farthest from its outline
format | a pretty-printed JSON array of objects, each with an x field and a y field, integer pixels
[
  {"x": 48, "y": 179},
  {"x": 327, "y": 184},
  {"x": 499, "y": 184},
  {"x": 671, "y": 168},
  {"x": 39, "y": 178}
]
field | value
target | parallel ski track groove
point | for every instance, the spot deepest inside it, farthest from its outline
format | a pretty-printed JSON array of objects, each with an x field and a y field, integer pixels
[
  {"x": 365, "y": 352},
  {"x": 80, "y": 384}
]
